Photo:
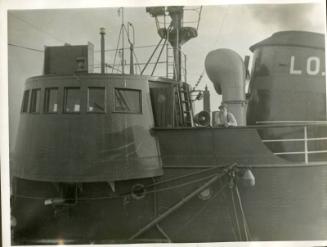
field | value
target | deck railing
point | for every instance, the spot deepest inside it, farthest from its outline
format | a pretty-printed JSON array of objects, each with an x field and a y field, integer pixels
[
  {"x": 305, "y": 139},
  {"x": 159, "y": 61}
]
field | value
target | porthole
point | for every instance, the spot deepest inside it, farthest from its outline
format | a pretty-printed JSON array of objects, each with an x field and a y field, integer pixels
[{"x": 138, "y": 191}]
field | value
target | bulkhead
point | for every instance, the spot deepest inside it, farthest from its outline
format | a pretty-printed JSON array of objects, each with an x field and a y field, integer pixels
[
  {"x": 85, "y": 127},
  {"x": 288, "y": 78}
]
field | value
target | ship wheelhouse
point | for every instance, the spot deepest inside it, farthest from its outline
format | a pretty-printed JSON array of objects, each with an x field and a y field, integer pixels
[{"x": 90, "y": 127}]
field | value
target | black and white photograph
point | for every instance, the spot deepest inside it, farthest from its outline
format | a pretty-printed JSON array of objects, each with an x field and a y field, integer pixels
[{"x": 165, "y": 123}]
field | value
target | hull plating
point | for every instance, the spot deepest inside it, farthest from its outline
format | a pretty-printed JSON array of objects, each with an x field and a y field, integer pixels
[{"x": 288, "y": 201}]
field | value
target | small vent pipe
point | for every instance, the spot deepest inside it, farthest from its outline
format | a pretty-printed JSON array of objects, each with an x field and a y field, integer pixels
[{"x": 102, "y": 33}]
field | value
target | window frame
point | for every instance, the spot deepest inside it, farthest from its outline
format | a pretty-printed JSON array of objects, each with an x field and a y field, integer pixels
[
  {"x": 128, "y": 89},
  {"x": 104, "y": 100},
  {"x": 27, "y": 103},
  {"x": 65, "y": 100},
  {"x": 31, "y": 98},
  {"x": 46, "y": 100}
]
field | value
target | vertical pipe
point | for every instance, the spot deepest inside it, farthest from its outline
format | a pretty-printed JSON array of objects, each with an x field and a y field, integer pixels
[
  {"x": 306, "y": 144},
  {"x": 131, "y": 48},
  {"x": 102, "y": 33},
  {"x": 176, "y": 14},
  {"x": 131, "y": 62},
  {"x": 206, "y": 100},
  {"x": 177, "y": 51},
  {"x": 167, "y": 38},
  {"x": 179, "y": 58},
  {"x": 167, "y": 60},
  {"x": 185, "y": 68}
]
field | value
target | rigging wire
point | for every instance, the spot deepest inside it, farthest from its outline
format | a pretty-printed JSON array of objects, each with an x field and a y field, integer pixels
[
  {"x": 222, "y": 23},
  {"x": 199, "y": 19},
  {"x": 25, "y": 47},
  {"x": 236, "y": 214},
  {"x": 137, "y": 62},
  {"x": 245, "y": 224},
  {"x": 37, "y": 28},
  {"x": 231, "y": 217},
  {"x": 199, "y": 80},
  {"x": 127, "y": 48},
  {"x": 114, "y": 65},
  {"x": 185, "y": 175},
  {"x": 125, "y": 194},
  {"x": 203, "y": 207}
]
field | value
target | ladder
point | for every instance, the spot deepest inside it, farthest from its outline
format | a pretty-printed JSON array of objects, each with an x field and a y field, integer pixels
[{"x": 186, "y": 108}]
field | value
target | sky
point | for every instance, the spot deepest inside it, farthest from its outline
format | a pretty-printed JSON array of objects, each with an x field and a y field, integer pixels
[{"x": 235, "y": 27}]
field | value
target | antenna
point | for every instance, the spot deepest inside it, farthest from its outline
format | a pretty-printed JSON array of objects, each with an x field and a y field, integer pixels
[
  {"x": 123, "y": 42},
  {"x": 131, "y": 47}
]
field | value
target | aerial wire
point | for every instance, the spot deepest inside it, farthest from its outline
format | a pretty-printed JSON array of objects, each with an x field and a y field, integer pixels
[
  {"x": 222, "y": 23},
  {"x": 38, "y": 28},
  {"x": 25, "y": 47}
]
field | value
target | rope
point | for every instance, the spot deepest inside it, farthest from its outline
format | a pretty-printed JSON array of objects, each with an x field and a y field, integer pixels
[
  {"x": 246, "y": 227},
  {"x": 186, "y": 175},
  {"x": 203, "y": 207},
  {"x": 124, "y": 194},
  {"x": 184, "y": 184},
  {"x": 236, "y": 215},
  {"x": 163, "y": 233},
  {"x": 26, "y": 48},
  {"x": 136, "y": 47}
]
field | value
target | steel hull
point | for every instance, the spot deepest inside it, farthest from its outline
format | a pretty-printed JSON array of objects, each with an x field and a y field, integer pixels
[{"x": 288, "y": 201}]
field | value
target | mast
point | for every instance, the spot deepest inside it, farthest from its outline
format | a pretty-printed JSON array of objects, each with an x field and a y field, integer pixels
[
  {"x": 176, "y": 14},
  {"x": 176, "y": 33}
]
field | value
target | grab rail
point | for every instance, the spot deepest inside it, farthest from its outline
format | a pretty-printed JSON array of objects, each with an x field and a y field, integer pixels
[{"x": 305, "y": 141}]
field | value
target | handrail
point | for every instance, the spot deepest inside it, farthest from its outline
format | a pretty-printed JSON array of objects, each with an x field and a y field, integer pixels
[
  {"x": 305, "y": 141},
  {"x": 292, "y": 122},
  {"x": 157, "y": 64},
  {"x": 245, "y": 127},
  {"x": 295, "y": 140}
]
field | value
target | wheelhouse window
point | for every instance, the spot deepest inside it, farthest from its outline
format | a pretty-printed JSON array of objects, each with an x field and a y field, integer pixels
[
  {"x": 96, "y": 99},
  {"x": 128, "y": 100},
  {"x": 51, "y": 100},
  {"x": 35, "y": 101},
  {"x": 72, "y": 100},
  {"x": 25, "y": 101}
]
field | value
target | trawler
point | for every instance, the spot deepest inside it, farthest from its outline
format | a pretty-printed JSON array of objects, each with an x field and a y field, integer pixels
[{"x": 122, "y": 157}]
